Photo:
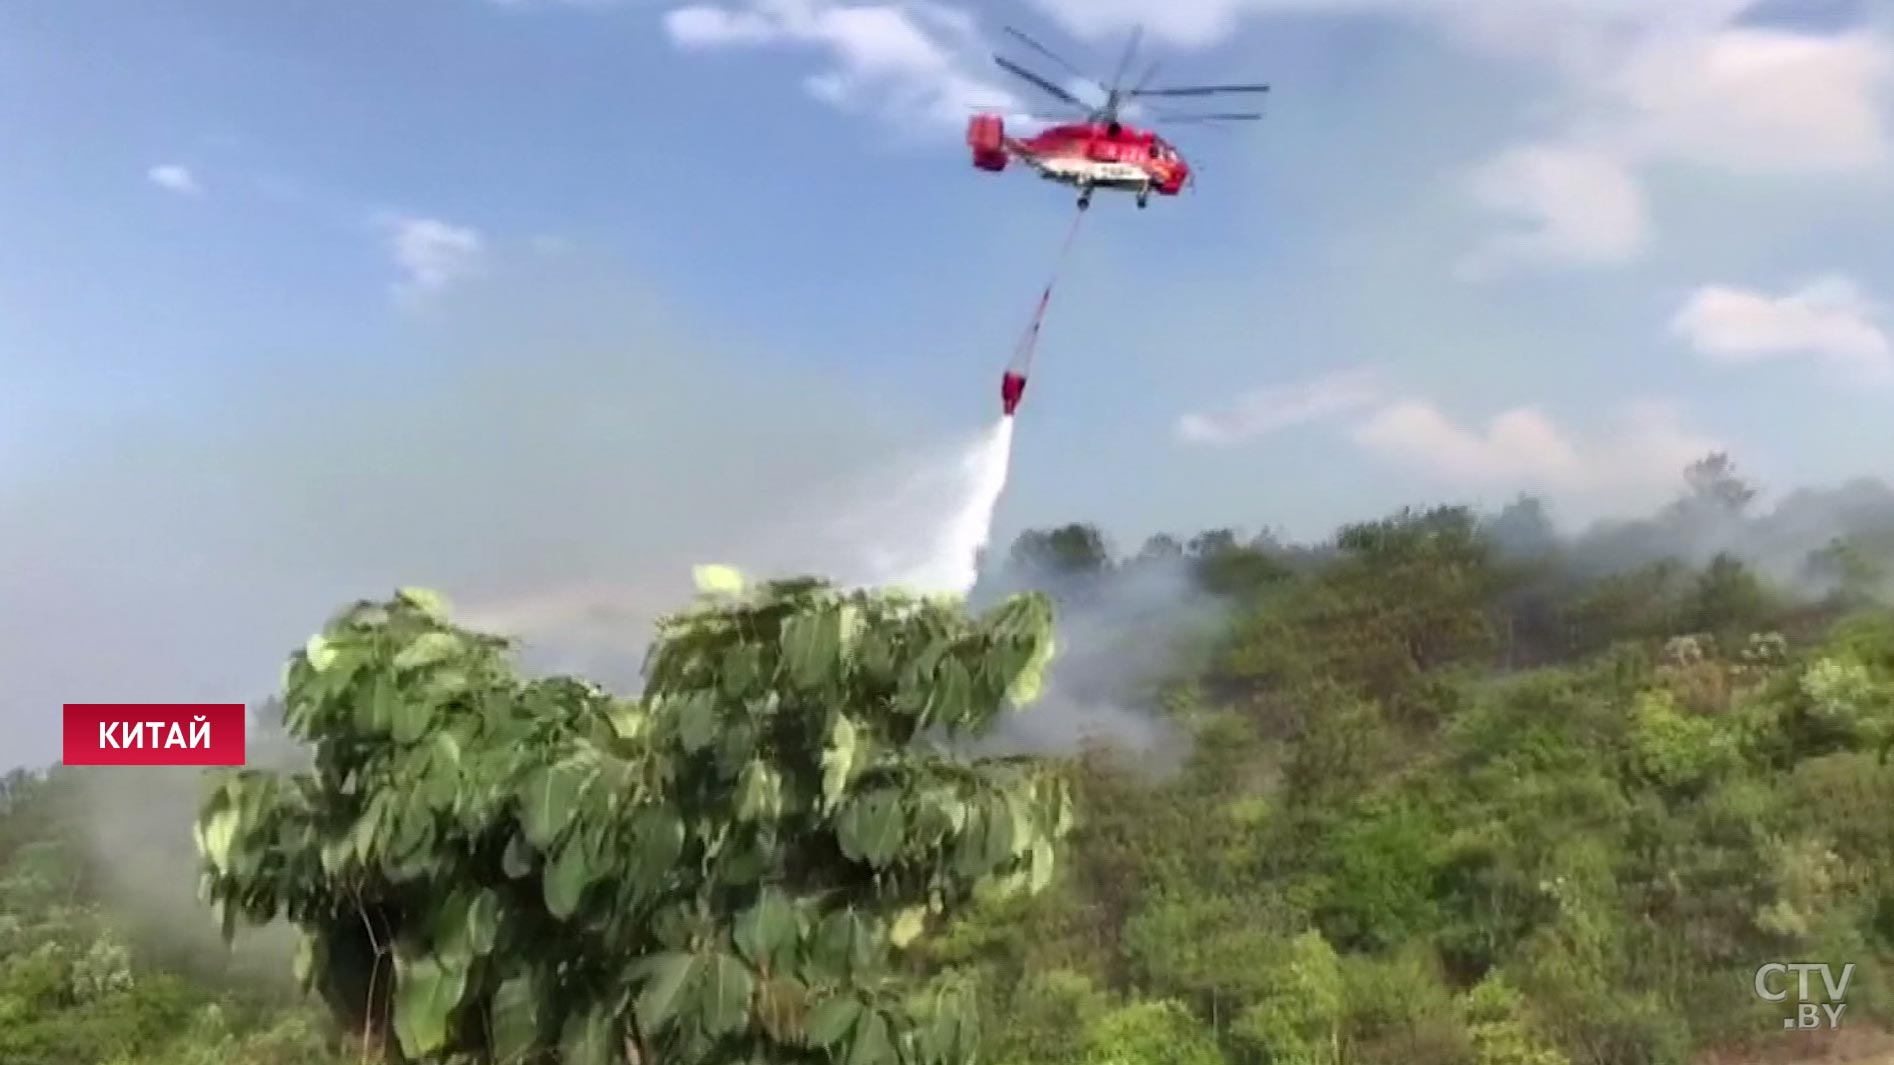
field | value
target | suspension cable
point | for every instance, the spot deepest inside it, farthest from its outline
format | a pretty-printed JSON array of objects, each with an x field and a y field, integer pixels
[{"x": 1021, "y": 363}]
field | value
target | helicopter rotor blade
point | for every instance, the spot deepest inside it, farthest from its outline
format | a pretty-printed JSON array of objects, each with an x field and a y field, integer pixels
[
  {"x": 1049, "y": 54},
  {"x": 1131, "y": 48},
  {"x": 1149, "y": 73},
  {"x": 1198, "y": 90},
  {"x": 1243, "y": 116},
  {"x": 1046, "y": 86}
]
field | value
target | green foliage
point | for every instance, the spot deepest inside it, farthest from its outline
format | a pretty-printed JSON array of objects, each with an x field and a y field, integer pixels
[
  {"x": 1380, "y": 866},
  {"x": 1848, "y": 700},
  {"x": 1161, "y": 1032},
  {"x": 77, "y": 989},
  {"x": 1855, "y": 570},
  {"x": 1500, "y": 1031},
  {"x": 1674, "y": 749},
  {"x": 1297, "y": 1019},
  {"x": 1216, "y": 951},
  {"x": 1728, "y": 598},
  {"x": 1405, "y": 597},
  {"x": 1644, "y": 603},
  {"x": 1224, "y": 567},
  {"x": 1569, "y": 864},
  {"x": 1071, "y": 551},
  {"x": 1399, "y": 1007},
  {"x": 1049, "y": 1019},
  {"x": 725, "y": 867},
  {"x": 1346, "y": 747}
]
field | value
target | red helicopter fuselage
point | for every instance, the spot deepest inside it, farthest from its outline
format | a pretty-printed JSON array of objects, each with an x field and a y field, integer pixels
[{"x": 1085, "y": 155}]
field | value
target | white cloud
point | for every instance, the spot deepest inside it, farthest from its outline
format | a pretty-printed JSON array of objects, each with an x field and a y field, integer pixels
[
  {"x": 1266, "y": 410},
  {"x": 434, "y": 254},
  {"x": 1189, "y": 23},
  {"x": 175, "y": 178},
  {"x": 1627, "y": 464},
  {"x": 1567, "y": 205},
  {"x": 1512, "y": 25},
  {"x": 902, "y": 60},
  {"x": 1760, "y": 100},
  {"x": 1519, "y": 445},
  {"x": 1738, "y": 99},
  {"x": 1829, "y": 319},
  {"x": 716, "y": 27}
]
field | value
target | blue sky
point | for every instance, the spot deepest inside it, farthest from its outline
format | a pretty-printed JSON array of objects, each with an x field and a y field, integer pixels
[{"x": 529, "y": 299}]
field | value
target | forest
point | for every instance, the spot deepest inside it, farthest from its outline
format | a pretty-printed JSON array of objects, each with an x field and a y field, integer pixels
[{"x": 1447, "y": 788}]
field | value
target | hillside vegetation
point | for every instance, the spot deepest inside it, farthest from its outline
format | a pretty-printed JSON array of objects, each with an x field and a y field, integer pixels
[{"x": 1457, "y": 792}]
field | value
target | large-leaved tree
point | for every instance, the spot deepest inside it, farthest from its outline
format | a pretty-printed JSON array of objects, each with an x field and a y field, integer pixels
[{"x": 725, "y": 868}]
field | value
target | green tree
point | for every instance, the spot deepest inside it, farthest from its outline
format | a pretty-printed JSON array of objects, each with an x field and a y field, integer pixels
[
  {"x": 1674, "y": 749},
  {"x": 1409, "y": 595},
  {"x": 1161, "y": 1032},
  {"x": 1522, "y": 529},
  {"x": 1381, "y": 865},
  {"x": 1853, "y": 571},
  {"x": 1728, "y": 600},
  {"x": 1223, "y": 566},
  {"x": 1642, "y": 604},
  {"x": 725, "y": 868},
  {"x": 1344, "y": 748},
  {"x": 1298, "y": 1020},
  {"x": 1050, "y": 1016},
  {"x": 1400, "y": 1010},
  {"x": 1212, "y": 952},
  {"x": 1159, "y": 547},
  {"x": 1715, "y": 487},
  {"x": 1500, "y": 1029},
  {"x": 1070, "y": 551}
]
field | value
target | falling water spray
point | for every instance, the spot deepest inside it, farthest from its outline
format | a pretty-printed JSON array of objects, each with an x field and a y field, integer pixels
[{"x": 951, "y": 564}]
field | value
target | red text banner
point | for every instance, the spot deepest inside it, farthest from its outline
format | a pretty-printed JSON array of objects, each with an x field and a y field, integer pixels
[{"x": 200, "y": 734}]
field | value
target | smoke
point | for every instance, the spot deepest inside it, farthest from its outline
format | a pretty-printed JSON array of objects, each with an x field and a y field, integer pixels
[
  {"x": 1780, "y": 543},
  {"x": 1123, "y": 636},
  {"x": 137, "y": 843}
]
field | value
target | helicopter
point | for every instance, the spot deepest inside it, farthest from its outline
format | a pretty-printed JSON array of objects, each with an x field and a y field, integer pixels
[{"x": 1095, "y": 148}]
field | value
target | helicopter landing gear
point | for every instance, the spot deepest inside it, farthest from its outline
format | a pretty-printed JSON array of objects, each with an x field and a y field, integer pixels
[
  {"x": 1085, "y": 199},
  {"x": 1144, "y": 198}
]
